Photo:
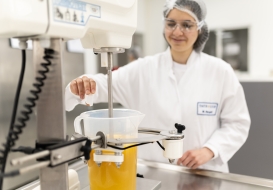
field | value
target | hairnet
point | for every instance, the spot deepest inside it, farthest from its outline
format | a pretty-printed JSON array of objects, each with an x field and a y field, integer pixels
[{"x": 197, "y": 9}]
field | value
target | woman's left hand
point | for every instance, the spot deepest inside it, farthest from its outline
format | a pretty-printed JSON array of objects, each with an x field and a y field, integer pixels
[{"x": 195, "y": 158}]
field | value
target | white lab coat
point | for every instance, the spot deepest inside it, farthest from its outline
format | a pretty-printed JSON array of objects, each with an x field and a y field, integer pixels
[{"x": 149, "y": 86}]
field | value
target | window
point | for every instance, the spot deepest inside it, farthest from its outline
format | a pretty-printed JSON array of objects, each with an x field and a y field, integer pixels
[{"x": 231, "y": 46}]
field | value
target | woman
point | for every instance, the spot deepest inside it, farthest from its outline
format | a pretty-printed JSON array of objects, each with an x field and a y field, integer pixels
[{"x": 181, "y": 85}]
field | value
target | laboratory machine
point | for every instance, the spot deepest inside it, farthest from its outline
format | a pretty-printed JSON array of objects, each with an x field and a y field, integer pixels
[
  {"x": 108, "y": 139},
  {"x": 107, "y": 27}
]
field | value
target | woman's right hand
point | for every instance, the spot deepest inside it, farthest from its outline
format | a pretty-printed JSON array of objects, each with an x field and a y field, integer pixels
[{"x": 82, "y": 86}]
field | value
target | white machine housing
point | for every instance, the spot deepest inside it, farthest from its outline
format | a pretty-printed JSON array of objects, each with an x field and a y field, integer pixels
[
  {"x": 173, "y": 148},
  {"x": 98, "y": 23}
]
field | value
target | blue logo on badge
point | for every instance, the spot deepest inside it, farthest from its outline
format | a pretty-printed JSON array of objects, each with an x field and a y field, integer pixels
[{"x": 207, "y": 108}]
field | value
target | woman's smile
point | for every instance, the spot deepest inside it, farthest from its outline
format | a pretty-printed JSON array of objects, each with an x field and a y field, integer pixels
[{"x": 178, "y": 40}]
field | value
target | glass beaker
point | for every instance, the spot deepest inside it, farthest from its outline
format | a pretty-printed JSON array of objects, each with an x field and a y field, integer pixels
[{"x": 123, "y": 125}]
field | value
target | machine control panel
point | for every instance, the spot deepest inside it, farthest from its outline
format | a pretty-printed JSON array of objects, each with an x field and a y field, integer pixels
[{"x": 74, "y": 11}]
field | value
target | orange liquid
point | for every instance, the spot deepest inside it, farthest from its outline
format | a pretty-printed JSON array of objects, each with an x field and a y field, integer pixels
[{"x": 109, "y": 177}]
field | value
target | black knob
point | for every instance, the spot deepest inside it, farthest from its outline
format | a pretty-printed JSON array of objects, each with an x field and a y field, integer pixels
[
  {"x": 180, "y": 128},
  {"x": 86, "y": 149}
]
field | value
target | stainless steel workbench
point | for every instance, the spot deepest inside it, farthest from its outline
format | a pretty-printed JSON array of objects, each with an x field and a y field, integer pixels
[
  {"x": 172, "y": 177},
  {"x": 175, "y": 177}
]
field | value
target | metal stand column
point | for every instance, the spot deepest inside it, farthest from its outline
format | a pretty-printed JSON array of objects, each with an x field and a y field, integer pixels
[{"x": 51, "y": 122}]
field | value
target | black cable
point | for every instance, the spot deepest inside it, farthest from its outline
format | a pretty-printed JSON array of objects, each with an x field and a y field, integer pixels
[
  {"x": 10, "y": 174},
  {"x": 24, "y": 149},
  {"x": 115, "y": 147},
  {"x": 140, "y": 175},
  {"x": 10, "y": 136},
  {"x": 16, "y": 130},
  {"x": 160, "y": 145}
]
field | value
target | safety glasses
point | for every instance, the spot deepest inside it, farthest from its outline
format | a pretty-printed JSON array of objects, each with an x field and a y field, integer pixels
[{"x": 185, "y": 26}]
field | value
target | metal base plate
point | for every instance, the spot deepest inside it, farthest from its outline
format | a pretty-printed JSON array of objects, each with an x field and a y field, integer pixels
[{"x": 82, "y": 169}]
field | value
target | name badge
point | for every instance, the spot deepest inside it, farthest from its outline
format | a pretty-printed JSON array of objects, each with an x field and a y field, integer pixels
[{"x": 206, "y": 108}]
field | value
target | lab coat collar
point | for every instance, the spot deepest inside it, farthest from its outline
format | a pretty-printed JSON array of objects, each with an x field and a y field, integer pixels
[{"x": 194, "y": 60}]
